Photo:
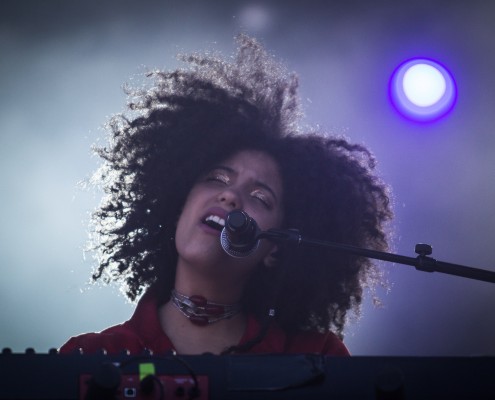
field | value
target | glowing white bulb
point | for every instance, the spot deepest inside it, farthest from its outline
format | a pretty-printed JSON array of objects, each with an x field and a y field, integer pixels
[
  {"x": 423, "y": 85},
  {"x": 422, "y": 90}
]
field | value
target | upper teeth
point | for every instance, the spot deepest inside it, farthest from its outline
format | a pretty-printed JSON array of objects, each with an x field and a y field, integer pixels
[{"x": 216, "y": 219}]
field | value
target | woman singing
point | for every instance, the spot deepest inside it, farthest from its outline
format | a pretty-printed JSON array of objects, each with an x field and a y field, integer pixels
[{"x": 198, "y": 144}]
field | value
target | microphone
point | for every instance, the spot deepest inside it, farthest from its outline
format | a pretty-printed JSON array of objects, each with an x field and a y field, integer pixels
[{"x": 239, "y": 236}]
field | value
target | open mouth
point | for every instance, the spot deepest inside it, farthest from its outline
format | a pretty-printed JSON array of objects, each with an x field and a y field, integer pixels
[{"x": 215, "y": 222}]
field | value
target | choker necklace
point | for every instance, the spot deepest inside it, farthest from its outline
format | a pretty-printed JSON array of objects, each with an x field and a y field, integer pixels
[{"x": 201, "y": 311}]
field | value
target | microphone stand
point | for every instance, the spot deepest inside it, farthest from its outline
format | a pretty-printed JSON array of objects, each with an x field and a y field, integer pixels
[{"x": 422, "y": 262}]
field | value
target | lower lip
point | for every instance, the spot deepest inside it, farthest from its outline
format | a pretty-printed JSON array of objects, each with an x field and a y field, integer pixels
[{"x": 209, "y": 229}]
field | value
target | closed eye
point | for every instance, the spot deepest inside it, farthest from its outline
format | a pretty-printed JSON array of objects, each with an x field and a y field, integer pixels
[
  {"x": 262, "y": 197},
  {"x": 218, "y": 177}
]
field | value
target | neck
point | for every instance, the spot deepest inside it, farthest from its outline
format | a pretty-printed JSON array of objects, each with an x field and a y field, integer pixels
[{"x": 213, "y": 283}]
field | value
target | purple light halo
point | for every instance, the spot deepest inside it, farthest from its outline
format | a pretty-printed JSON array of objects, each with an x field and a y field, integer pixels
[{"x": 413, "y": 111}]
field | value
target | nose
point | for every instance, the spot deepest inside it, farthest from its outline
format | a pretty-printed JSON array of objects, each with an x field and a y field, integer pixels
[{"x": 231, "y": 198}]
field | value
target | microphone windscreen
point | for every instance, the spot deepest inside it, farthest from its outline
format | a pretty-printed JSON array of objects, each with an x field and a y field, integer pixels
[{"x": 236, "y": 250}]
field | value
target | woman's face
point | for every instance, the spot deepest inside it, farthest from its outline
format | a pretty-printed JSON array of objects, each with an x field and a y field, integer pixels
[{"x": 249, "y": 181}]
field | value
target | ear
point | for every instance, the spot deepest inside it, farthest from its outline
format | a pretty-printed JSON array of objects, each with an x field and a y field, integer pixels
[{"x": 272, "y": 259}]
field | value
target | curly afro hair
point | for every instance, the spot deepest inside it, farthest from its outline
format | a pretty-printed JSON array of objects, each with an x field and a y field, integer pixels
[{"x": 188, "y": 121}]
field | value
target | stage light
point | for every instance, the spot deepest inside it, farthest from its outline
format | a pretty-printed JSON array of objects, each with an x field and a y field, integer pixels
[
  {"x": 422, "y": 90},
  {"x": 255, "y": 17}
]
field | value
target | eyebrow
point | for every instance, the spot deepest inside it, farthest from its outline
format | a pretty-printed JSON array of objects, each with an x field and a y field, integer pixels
[{"x": 258, "y": 183}]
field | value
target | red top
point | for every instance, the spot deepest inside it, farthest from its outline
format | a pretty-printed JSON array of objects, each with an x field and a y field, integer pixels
[{"x": 143, "y": 331}]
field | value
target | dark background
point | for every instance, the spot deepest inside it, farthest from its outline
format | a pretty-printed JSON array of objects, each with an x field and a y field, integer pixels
[{"x": 62, "y": 66}]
